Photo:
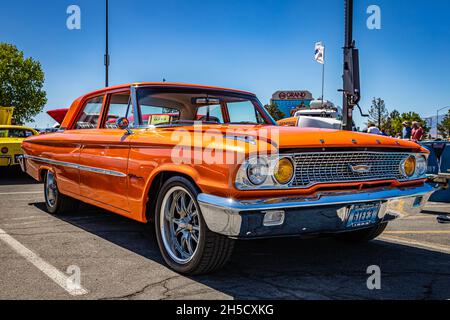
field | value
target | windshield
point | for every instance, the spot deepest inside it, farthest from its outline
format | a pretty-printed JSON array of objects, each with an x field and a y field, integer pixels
[
  {"x": 171, "y": 107},
  {"x": 15, "y": 133}
]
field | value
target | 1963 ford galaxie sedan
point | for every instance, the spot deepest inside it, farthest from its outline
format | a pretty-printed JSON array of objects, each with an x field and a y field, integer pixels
[{"x": 209, "y": 166}]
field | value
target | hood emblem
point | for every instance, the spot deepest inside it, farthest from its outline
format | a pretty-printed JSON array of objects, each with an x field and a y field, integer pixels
[{"x": 360, "y": 168}]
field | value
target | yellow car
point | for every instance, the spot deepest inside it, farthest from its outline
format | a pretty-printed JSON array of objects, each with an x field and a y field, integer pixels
[{"x": 11, "y": 138}]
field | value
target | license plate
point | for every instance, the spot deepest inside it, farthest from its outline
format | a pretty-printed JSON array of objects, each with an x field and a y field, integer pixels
[{"x": 362, "y": 215}]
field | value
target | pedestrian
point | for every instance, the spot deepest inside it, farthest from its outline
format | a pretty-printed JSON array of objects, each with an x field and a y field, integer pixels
[
  {"x": 417, "y": 132},
  {"x": 372, "y": 129},
  {"x": 407, "y": 131}
]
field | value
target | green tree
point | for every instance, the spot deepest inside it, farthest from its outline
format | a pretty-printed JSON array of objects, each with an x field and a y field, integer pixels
[
  {"x": 275, "y": 112},
  {"x": 21, "y": 83},
  {"x": 393, "y": 122},
  {"x": 444, "y": 126},
  {"x": 378, "y": 113}
]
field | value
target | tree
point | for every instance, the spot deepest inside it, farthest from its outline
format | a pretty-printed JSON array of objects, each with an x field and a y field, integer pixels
[
  {"x": 378, "y": 113},
  {"x": 21, "y": 83},
  {"x": 275, "y": 112},
  {"x": 444, "y": 126},
  {"x": 392, "y": 122}
]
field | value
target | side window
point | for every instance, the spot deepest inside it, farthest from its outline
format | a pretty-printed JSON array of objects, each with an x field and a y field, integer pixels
[
  {"x": 244, "y": 111},
  {"x": 215, "y": 113},
  {"x": 119, "y": 107},
  {"x": 91, "y": 114}
]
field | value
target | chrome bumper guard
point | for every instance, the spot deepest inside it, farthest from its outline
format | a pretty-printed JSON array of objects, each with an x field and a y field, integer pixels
[
  {"x": 322, "y": 213},
  {"x": 22, "y": 163}
]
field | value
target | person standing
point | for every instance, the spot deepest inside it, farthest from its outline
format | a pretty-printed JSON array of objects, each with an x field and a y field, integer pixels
[
  {"x": 417, "y": 131},
  {"x": 372, "y": 129},
  {"x": 407, "y": 131}
]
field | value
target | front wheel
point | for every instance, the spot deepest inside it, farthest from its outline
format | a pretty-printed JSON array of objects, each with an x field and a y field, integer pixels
[
  {"x": 185, "y": 242},
  {"x": 363, "y": 235},
  {"x": 56, "y": 202}
]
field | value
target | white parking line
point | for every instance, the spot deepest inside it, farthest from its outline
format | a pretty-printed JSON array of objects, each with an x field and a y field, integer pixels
[
  {"x": 415, "y": 243},
  {"x": 50, "y": 271},
  {"x": 28, "y": 218},
  {"x": 17, "y": 193}
]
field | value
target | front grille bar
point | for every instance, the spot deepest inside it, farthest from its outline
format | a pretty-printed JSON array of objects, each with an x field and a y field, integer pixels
[{"x": 339, "y": 167}]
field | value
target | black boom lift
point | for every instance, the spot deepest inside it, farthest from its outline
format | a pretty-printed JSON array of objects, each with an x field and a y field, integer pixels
[{"x": 351, "y": 90}]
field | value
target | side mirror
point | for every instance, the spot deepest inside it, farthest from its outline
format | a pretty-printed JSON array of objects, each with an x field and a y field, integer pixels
[{"x": 124, "y": 124}]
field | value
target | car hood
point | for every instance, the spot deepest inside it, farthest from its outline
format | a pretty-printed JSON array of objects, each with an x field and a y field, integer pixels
[{"x": 295, "y": 137}]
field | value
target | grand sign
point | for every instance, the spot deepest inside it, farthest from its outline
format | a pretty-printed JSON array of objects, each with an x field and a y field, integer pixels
[{"x": 292, "y": 95}]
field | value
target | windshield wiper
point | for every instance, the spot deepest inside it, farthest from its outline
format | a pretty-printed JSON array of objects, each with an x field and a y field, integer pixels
[{"x": 245, "y": 122}]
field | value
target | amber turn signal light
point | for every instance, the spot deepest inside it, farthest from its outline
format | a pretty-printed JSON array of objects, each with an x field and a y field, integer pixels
[
  {"x": 409, "y": 166},
  {"x": 284, "y": 171}
]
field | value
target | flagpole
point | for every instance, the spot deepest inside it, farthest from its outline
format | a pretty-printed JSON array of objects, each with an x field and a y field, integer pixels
[
  {"x": 320, "y": 58},
  {"x": 323, "y": 81},
  {"x": 107, "y": 61}
]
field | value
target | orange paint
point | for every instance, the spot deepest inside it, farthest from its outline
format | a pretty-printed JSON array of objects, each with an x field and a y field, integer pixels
[{"x": 136, "y": 160}]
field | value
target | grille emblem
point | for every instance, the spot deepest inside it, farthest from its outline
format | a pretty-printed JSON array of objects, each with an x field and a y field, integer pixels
[{"x": 360, "y": 168}]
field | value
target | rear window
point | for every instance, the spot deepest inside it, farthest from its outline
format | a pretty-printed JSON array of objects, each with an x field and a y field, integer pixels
[
  {"x": 16, "y": 133},
  {"x": 91, "y": 114}
]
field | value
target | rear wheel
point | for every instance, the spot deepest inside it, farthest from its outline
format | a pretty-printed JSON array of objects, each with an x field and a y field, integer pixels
[
  {"x": 186, "y": 243},
  {"x": 56, "y": 202},
  {"x": 364, "y": 235}
]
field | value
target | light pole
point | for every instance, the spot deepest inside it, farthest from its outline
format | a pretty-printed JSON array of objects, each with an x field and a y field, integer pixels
[
  {"x": 437, "y": 120},
  {"x": 107, "y": 46}
]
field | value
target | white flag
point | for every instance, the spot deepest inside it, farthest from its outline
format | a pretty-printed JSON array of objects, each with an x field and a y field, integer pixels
[{"x": 320, "y": 53}]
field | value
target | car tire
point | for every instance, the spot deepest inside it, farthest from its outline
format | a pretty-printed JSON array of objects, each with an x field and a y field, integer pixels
[
  {"x": 55, "y": 202},
  {"x": 185, "y": 242},
  {"x": 363, "y": 235}
]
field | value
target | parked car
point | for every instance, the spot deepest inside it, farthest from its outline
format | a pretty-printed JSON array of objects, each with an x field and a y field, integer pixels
[
  {"x": 318, "y": 115},
  {"x": 439, "y": 168},
  {"x": 11, "y": 138},
  {"x": 283, "y": 181}
]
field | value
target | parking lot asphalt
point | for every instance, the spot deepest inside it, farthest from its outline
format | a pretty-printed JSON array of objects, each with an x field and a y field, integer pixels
[{"x": 119, "y": 258}]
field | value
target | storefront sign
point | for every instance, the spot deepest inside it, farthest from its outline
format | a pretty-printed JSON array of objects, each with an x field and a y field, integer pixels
[{"x": 292, "y": 95}]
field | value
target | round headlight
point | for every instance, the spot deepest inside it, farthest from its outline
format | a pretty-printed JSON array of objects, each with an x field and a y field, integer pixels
[
  {"x": 5, "y": 150},
  {"x": 421, "y": 165},
  {"x": 284, "y": 171},
  {"x": 409, "y": 166},
  {"x": 257, "y": 171}
]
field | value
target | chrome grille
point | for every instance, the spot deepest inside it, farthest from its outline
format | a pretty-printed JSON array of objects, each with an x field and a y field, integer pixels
[{"x": 335, "y": 167}]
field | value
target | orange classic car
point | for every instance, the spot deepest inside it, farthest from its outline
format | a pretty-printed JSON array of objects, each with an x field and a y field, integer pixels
[{"x": 209, "y": 166}]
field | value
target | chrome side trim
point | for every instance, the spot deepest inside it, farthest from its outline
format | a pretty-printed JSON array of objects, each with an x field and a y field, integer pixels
[{"x": 77, "y": 166}]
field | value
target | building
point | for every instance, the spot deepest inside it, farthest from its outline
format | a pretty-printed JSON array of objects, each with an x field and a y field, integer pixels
[{"x": 288, "y": 100}]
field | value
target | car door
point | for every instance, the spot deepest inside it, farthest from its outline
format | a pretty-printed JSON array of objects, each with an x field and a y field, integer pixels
[{"x": 104, "y": 155}]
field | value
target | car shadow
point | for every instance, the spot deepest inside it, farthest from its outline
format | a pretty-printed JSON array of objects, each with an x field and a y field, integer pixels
[
  {"x": 15, "y": 176},
  {"x": 292, "y": 268}
]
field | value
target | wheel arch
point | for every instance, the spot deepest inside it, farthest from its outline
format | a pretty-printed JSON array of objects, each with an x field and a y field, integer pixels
[
  {"x": 156, "y": 182},
  {"x": 42, "y": 171}
]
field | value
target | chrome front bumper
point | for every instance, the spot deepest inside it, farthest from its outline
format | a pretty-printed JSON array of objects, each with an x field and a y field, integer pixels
[{"x": 322, "y": 213}]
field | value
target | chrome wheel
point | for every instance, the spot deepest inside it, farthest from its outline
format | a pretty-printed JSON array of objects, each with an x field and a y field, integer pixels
[
  {"x": 51, "y": 190},
  {"x": 180, "y": 225}
]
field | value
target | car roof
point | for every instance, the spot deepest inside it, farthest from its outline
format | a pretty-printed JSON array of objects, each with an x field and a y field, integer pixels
[{"x": 167, "y": 84}]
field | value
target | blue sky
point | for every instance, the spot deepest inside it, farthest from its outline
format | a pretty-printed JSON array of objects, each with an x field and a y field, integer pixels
[{"x": 261, "y": 46}]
